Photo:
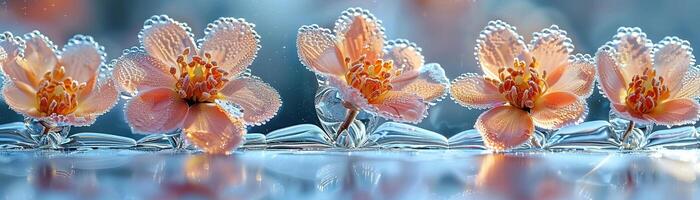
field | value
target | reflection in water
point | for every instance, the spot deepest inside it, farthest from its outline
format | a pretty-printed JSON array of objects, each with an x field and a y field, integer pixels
[{"x": 350, "y": 175}]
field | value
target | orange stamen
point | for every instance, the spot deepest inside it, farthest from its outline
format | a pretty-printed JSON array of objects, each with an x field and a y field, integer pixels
[
  {"x": 646, "y": 91},
  {"x": 200, "y": 79},
  {"x": 372, "y": 79},
  {"x": 58, "y": 94},
  {"x": 521, "y": 84}
]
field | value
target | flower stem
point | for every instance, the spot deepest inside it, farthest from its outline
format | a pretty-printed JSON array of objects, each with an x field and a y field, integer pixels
[
  {"x": 349, "y": 118},
  {"x": 630, "y": 127}
]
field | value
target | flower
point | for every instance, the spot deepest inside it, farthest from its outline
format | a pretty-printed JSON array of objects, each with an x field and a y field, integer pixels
[
  {"x": 649, "y": 84},
  {"x": 61, "y": 88},
  {"x": 525, "y": 86},
  {"x": 389, "y": 78},
  {"x": 204, "y": 90}
]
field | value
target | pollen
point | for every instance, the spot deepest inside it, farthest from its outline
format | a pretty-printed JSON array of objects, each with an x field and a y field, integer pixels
[
  {"x": 646, "y": 91},
  {"x": 200, "y": 79},
  {"x": 372, "y": 79},
  {"x": 58, "y": 94},
  {"x": 521, "y": 84}
]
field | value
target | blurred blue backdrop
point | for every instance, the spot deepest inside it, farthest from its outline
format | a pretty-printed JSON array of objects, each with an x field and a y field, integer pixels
[{"x": 446, "y": 30}]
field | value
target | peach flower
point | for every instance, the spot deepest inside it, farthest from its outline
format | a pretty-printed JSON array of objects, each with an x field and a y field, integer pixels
[
  {"x": 203, "y": 89},
  {"x": 62, "y": 88},
  {"x": 526, "y": 86},
  {"x": 387, "y": 78},
  {"x": 649, "y": 84}
]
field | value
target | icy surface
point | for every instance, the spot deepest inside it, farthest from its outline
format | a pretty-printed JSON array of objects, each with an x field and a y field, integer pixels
[{"x": 426, "y": 174}]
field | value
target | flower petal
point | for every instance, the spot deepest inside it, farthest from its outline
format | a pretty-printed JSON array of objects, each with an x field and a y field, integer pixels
[
  {"x": 18, "y": 70},
  {"x": 137, "y": 70},
  {"x": 690, "y": 84},
  {"x": 165, "y": 39},
  {"x": 676, "y": 112},
  {"x": 402, "y": 107},
  {"x": 624, "y": 112},
  {"x": 100, "y": 101},
  {"x": 318, "y": 51},
  {"x": 10, "y": 44},
  {"x": 360, "y": 34},
  {"x": 81, "y": 58},
  {"x": 577, "y": 78},
  {"x": 260, "y": 102},
  {"x": 633, "y": 50},
  {"x": 211, "y": 129},
  {"x": 429, "y": 83},
  {"x": 473, "y": 91},
  {"x": 159, "y": 110},
  {"x": 21, "y": 99},
  {"x": 498, "y": 45},
  {"x": 672, "y": 58},
  {"x": 39, "y": 53},
  {"x": 349, "y": 94},
  {"x": 504, "y": 127},
  {"x": 232, "y": 43},
  {"x": 558, "y": 109},
  {"x": 406, "y": 55},
  {"x": 551, "y": 47},
  {"x": 611, "y": 78}
]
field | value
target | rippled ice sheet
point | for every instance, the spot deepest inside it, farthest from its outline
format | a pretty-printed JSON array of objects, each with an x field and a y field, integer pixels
[{"x": 336, "y": 174}]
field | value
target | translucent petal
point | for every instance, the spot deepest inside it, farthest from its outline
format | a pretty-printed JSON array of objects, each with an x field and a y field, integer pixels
[
  {"x": 350, "y": 95},
  {"x": 10, "y": 44},
  {"x": 578, "y": 77},
  {"x": 473, "y": 91},
  {"x": 232, "y": 43},
  {"x": 101, "y": 100},
  {"x": 676, "y": 112},
  {"x": 159, "y": 110},
  {"x": 406, "y": 55},
  {"x": 504, "y": 127},
  {"x": 81, "y": 58},
  {"x": 633, "y": 50},
  {"x": 498, "y": 45},
  {"x": 402, "y": 107},
  {"x": 558, "y": 109},
  {"x": 138, "y": 71},
  {"x": 39, "y": 53},
  {"x": 18, "y": 70},
  {"x": 260, "y": 102},
  {"x": 690, "y": 84},
  {"x": 318, "y": 51},
  {"x": 610, "y": 76},
  {"x": 212, "y": 129},
  {"x": 21, "y": 99},
  {"x": 165, "y": 39},
  {"x": 551, "y": 47},
  {"x": 672, "y": 58},
  {"x": 430, "y": 83},
  {"x": 624, "y": 112},
  {"x": 360, "y": 34}
]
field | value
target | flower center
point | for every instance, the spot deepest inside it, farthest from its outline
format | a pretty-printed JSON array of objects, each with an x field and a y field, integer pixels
[
  {"x": 200, "y": 79},
  {"x": 521, "y": 84},
  {"x": 57, "y": 94},
  {"x": 645, "y": 91},
  {"x": 372, "y": 79}
]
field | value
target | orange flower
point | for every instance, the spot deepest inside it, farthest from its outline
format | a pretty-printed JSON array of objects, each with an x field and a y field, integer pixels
[
  {"x": 649, "y": 84},
  {"x": 525, "y": 86},
  {"x": 389, "y": 79},
  {"x": 59, "y": 87},
  {"x": 202, "y": 89}
]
